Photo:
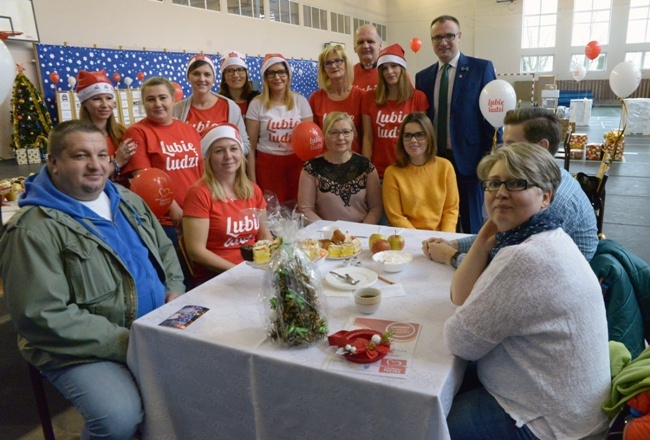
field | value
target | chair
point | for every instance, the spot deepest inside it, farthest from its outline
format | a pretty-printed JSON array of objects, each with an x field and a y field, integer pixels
[
  {"x": 41, "y": 402},
  {"x": 594, "y": 188}
]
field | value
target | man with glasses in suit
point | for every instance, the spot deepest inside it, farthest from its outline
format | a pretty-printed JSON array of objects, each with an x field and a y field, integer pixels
[{"x": 464, "y": 136}]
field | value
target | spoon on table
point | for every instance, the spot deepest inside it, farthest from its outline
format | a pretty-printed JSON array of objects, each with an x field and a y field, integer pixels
[{"x": 347, "y": 278}]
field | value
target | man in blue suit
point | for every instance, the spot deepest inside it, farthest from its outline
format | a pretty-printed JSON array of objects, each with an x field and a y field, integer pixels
[{"x": 464, "y": 136}]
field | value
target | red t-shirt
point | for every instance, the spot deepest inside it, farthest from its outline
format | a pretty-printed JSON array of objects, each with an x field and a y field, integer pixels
[
  {"x": 385, "y": 125},
  {"x": 173, "y": 148},
  {"x": 321, "y": 105},
  {"x": 243, "y": 106},
  {"x": 202, "y": 119},
  {"x": 232, "y": 224},
  {"x": 365, "y": 79}
]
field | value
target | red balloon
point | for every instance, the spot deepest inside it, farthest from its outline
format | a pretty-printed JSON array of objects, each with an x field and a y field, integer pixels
[
  {"x": 117, "y": 77},
  {"x": 140, "y": 76},
  {"x": 54, "y": 77},
  {"x": 178, "y": 92},
  {"x": 307, "y": 140},
  {"x": 156, "y": 189},
  {"x": 592, "y": 50},
  {"x": 416, "y": 44}
]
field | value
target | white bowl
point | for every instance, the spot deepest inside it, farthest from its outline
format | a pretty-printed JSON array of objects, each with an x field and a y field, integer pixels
[{"x": 392, "y": 261}]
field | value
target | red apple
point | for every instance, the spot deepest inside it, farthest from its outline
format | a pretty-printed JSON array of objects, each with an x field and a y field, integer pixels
[
  {"x": 380, "y": 245},
  {"x": 396, "y": 242},
  {"x": 373, "y": 238}
]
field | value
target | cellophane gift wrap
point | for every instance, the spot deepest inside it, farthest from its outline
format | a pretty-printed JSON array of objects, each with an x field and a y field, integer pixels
[{"x": 292, "y": 289}]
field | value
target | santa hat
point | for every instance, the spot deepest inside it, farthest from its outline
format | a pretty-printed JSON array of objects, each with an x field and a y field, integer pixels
[
  {"x": 90, "y": 84},
  {"x": 217, "y": 132},
  {"x": 271, "y": 59},
  {"x": 392, "y": 54},
  {"x": 200, "y": 57},
  {"x": 233, "y": 58}
]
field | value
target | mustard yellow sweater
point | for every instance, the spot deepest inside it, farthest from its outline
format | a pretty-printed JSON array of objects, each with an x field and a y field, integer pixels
[{"x": 422, "y": 197}]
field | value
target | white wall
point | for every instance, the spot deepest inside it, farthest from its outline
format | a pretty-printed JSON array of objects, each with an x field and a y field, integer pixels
[{"x": 490, "y": 30}]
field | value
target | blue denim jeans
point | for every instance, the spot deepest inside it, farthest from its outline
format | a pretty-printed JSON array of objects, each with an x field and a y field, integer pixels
[
  {"x": 105, "y": 394},
  {"x": 476, "y": 415}
]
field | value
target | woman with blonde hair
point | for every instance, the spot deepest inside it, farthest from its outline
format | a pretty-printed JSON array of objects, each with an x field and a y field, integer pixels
[
  {"x": 340, "y": 184},
  {"x": 97, "y": 98},
  {"x": 385, "y": 108},
  {"x": 270, "y": 120},
  {"x": 337, "y": 93},
  {"x": 420, "y": 190},
  {"x": 224, "y": 210}
]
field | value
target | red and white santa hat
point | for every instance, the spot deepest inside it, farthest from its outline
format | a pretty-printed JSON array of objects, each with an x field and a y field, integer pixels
[
  {"x": 271, "y": 59},
  {"x": 90, "y": 84},
  {"x": 233, "y": 58},
  {"x": 200, "y": 57},
  {"x": 392, "y": 54},
  {"x": 217, "y": 132}
]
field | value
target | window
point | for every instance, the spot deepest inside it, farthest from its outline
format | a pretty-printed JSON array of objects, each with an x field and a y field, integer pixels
[
  {"x": 247, "y": 8},
  {"x": 284, "y": 11},
  {"x": 539, "y": 23},
  {"x": 638, "y": 27},
  {"x": 640, "y": 59},
  {"x": 381, "y": 29},
  {"x": 537, "y": 63},
  {"x": 211, "y": 5},
  {"x": 314, "y": 17},
  {"x": 340, "y": 23},
  {"x": 591, "y": 21},
  {"x": 598, "y": 64}
]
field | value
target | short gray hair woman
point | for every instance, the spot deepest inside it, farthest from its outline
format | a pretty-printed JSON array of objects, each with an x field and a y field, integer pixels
[{"x": 531, "y": 310}]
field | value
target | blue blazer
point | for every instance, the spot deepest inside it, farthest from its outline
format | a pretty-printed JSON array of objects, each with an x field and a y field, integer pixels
[{"x": 471, "y": 134}]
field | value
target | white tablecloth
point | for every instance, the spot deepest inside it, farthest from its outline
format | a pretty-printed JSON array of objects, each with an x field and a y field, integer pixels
[{"x": 220, "y": 378}]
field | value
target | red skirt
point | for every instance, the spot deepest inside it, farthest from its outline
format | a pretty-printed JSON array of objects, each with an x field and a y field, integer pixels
[{"x": 279, "y": 175}]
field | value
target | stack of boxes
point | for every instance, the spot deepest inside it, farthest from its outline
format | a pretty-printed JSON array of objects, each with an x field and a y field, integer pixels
[
  {"x": 577, "y": 144},
  {"x": 615, "y": 143}
]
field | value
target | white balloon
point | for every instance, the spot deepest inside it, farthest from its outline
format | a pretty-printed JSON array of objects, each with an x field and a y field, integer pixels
[
  {"x": 128, "y": 81},
  {"x": 497, "y": 97},
  {"x": 624, "y": 79},
  {"x": 7, "y": 72},
  {"x": 579, "y": 73},
  {"x": 72, "y": 81}
]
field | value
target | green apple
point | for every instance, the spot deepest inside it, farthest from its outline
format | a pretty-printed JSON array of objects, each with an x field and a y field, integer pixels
[{"x": 396, "y": 242}]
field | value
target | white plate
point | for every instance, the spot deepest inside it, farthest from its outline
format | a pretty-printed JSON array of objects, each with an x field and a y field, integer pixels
[
  {"x": 343, "y": 258},
  {"x": 264, "y": 266},
  {"x": 365, "y": 276}
]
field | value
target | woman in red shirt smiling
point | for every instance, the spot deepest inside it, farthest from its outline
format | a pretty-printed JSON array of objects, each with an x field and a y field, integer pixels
[{"x": 224, "y": 210}]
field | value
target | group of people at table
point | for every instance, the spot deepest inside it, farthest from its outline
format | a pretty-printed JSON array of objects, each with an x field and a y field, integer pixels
[{"x": 531, "y": 316}]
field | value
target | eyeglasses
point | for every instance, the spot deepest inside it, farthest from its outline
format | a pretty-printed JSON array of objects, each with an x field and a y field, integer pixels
[
  {"x": 511, "y": 185},
  {"x": 336, "y": 133},
  {"x": 447, "y": 37},
  {"x": 280, "y": 73},
  {"x": 231, "y": 72},
  {"x": 420, "y": 135},
  {"x": 336, "y": 62}
]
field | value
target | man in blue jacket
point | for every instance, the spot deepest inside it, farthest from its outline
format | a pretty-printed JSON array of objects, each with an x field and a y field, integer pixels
[
  {"x": 80, "y": 261},
  {"x": 464, "y": 136}
]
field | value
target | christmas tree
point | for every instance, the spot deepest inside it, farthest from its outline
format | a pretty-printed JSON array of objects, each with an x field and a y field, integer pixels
[{"x": 29, "y": 116}]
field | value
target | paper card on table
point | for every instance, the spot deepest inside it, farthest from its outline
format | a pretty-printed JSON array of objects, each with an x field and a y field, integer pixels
[
  {"x": 396, "y": 363},
  {"x": 184, "y": 317},
  {"x": 392, "y": 290}
]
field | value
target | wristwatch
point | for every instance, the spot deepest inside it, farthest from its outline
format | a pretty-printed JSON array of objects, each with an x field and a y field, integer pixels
[
  {"x": 117, "y": 167},
  {"x": 454, "y": 260}
]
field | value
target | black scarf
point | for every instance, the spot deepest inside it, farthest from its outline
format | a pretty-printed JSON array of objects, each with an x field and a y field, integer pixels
[{"x": 540, "y": 222}]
